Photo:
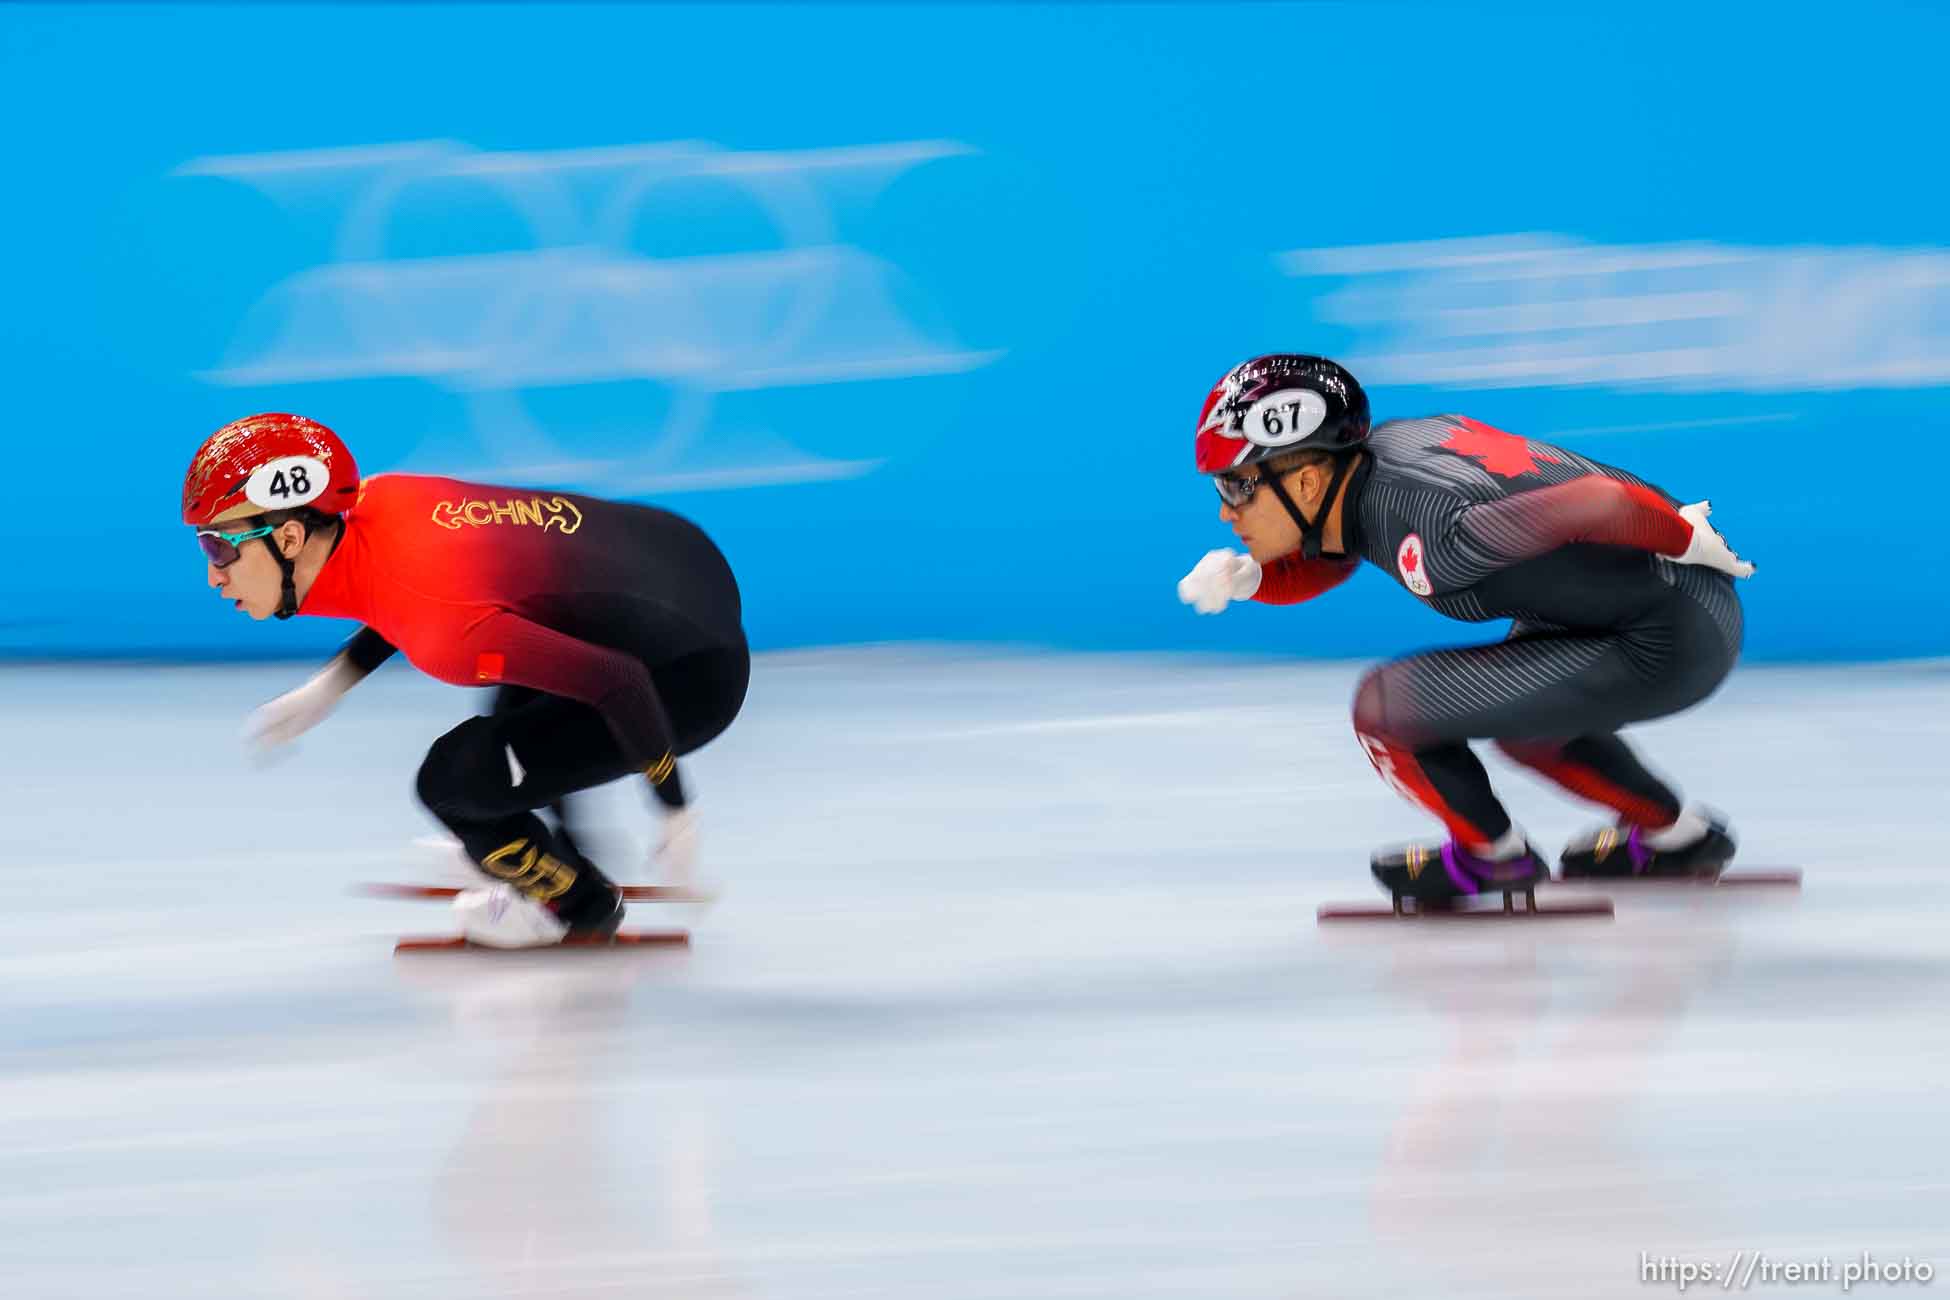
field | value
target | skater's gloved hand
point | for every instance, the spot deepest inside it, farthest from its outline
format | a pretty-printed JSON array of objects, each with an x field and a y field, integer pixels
[
  {"x": 1708, "y": 547},
  {"x": 294, "y": 713},
  {"x": 676, "y": 862},
  {"x": 1219, "y": 579}
]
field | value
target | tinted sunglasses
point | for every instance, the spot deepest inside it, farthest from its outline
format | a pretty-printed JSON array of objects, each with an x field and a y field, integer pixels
[{"x": 220, "y": 548}]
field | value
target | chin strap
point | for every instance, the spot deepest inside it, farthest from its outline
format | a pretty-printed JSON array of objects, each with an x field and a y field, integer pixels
[
  {"x": 288, "y": 601},
  {"x": 1312, "y": 531}
]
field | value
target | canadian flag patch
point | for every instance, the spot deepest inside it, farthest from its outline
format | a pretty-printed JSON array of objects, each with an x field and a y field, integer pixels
[{"x": 1409, "y": 563}]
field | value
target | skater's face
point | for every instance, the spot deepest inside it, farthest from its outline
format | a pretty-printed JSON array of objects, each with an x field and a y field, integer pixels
[
  {"x": 1262, "y": 524},
  {"x": 253, "y": 582}
]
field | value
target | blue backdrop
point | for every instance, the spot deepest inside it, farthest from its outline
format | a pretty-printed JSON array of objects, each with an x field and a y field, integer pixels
[{"x": 913, "y": 307}]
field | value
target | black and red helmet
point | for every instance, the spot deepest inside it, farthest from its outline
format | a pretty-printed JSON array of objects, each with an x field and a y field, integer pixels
[{"x": 1283, "y": 402}]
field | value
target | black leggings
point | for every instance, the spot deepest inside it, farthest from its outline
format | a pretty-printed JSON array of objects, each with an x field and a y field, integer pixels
[
  {"x": 485, "y": 779},
  {"x": 1553, "y": 700}
]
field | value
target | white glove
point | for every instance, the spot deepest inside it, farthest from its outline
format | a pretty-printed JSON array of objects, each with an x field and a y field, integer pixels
[
  {"x": 294, "y": 713},
  {"x": 676, "y": 861},
  {"x": 495, "y": 916},
  {"x": 1219, "y": 579},
  {"x": 1708, "y": 547}
]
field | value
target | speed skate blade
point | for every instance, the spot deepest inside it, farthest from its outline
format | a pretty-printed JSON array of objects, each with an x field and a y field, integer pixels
[
  {"x": 1756, "y": 878},
  {"x": 621, "y": 939},
  {"x": 1488, "y": 911},
  {"x": 633, "y": 893},
  {"x": 1783, "y": 878}
]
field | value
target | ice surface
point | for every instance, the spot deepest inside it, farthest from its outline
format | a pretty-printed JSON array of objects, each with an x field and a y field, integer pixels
[{"x": 1016, "y": 992}]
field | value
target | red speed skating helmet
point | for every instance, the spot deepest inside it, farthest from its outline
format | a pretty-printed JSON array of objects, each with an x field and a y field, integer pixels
[{"x": 268, "y": 462}]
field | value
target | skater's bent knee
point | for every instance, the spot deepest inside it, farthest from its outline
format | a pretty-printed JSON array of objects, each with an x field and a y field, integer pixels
[
  {"x": 1371, "y": 698},
  {"x": 450, "y": 773}
]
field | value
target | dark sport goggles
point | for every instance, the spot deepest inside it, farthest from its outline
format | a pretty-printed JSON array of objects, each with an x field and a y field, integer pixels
[
  {"x": 220, "y": 548},
  {"x": 1237, "y": 489}
]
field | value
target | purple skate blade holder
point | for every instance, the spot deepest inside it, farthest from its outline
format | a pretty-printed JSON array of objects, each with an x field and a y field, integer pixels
[{"x": 1476, "y": 889}]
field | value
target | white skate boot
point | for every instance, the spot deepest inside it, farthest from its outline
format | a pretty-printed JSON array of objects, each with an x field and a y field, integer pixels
[{"x": 496, "y": 916}]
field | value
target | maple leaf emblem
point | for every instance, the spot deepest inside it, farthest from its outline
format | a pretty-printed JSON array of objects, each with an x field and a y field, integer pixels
[
  {"x": 1408, "y": 563},
  {"x": 1502, "y": 454}
]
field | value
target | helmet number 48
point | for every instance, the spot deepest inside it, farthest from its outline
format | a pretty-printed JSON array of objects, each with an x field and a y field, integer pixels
[{"x": 287, "y": 482}]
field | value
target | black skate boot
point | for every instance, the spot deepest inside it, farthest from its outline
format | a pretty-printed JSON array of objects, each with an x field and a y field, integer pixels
[
  {"x": 1444, "y": 877},
  {"x": 593, "y": 909},
  {"x": 1620, "y": 852}
]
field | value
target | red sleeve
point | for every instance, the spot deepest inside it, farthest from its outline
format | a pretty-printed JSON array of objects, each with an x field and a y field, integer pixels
[
  {"x": 1592, "y": 509},
  {"x": 509, "y": 648},
  {"x": 1290, "y": 579}
]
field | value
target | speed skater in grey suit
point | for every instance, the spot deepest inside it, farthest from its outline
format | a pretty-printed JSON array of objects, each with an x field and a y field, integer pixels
[{"x": 1622, "y": 605}]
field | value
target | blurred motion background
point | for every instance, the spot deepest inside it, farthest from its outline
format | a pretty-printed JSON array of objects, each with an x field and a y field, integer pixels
[
  {"x": 1016, "y": 991},
  {"x": 912, "y": 306}
]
